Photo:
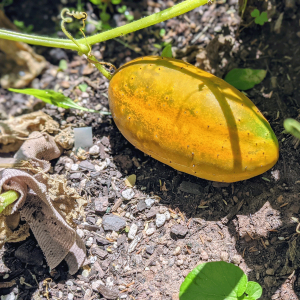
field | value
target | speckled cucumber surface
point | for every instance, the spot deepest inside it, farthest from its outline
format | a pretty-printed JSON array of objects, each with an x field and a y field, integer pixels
[{"x": 191, "y": 120}]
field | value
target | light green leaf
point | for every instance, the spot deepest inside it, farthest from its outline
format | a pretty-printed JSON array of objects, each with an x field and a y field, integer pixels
[
  {"x": 96, "y": 2},
  {"x": 54, "y": 98},
  {"x": 83, "y": 87},
  {"x": 214, "y": 281},
  {"x": 116, "y": 2},
  {"x": 255, "y": 13},
  {"x": 63, "y": 64},
  {"x": 245, "y": 79},
  {"x": 253, "y": 290},
  {"x": 167, "y": 51},
  {"x": 104, "y": 16},
  {"x": 122, "y": 9}
]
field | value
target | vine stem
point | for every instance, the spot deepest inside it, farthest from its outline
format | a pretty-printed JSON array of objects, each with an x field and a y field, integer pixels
[{"x": 164, "y": 15}]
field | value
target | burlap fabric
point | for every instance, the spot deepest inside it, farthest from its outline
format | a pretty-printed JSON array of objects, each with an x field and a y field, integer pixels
[{"x": 56, "y": 238}]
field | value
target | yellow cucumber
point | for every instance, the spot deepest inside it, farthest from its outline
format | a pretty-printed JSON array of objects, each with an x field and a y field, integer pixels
[{"x": 191, "y": 120}]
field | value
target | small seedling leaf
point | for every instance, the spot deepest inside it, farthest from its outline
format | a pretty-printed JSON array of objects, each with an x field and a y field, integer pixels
[
  {"x": 255, "y": 13},
  {"x": 63, "y": 65},
  {"x": 54, "y": 98},
  {"x": 245, "y": 79},
  {"x": 83, "y": 87},
  {"x": 253, "y": 290},
  {"x": 116, "y": 2},
  {"x": 214, "y": 281},
  {"x": 167, "y": 51}
]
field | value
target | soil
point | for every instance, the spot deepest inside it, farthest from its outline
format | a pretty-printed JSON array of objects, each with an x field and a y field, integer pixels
[{"x": 247, "y": 223}]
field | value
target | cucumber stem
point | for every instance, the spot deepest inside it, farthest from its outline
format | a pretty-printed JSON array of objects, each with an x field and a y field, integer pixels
[
  {"x": 8, "y": 198},
  {"x": 164, "y": 15}
]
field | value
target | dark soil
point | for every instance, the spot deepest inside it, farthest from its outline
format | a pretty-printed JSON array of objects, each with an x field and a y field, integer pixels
[{"x": 247, "y": 223}]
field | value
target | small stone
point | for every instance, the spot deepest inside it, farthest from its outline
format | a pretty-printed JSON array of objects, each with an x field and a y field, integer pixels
[
  {"x": 94, "y": 150},
  {"x": 99, "y": 252},
  {"x": 150, "y": 231},
  {"x": 168, "y": 216},
  {"x": 179, "y": 262},
  {"x": 179, "y": 230},
  {"x": 189, "y": 187},
  {"x": 112, "y": 222},
  {"x": 134, "y": 243},
  {"x": 150, "y": 249},
  {"x": 204, "y": 255},
  {"x": 269, "y": 281},
  {"x": 85, "y": 273},
  {"x": 74, "y": 167},
  {"x": 128, "y": 194},
  {"x": 84, "y": 95},
  {"x": 141, "y": 205},
  {"x": 10, "y": 296},
  {"x": 75, "y": 176},
  {"x": 132, "y": 231},
  {"x": 151, "y": 213},
  {"x": 69, "y": 283},
  {"x": 177, "y": 251},
  {"x": 107, "y": 293},
  {"x": 149, "y": 202},
  {"x": 101, "y": 205},
  {"x": 270, "y": 272},
  {"x": 80, "y": 232},
  {"x": 160, "y": 220},
  {"x": 70, "y": 296},
  {"x": 224, "y": 256},
  {"x": 87, "y": 166},
  {"x": 236, "y": 259},
  {"x": 96, "y": 284},
  {"x": 89, "y": 242}
]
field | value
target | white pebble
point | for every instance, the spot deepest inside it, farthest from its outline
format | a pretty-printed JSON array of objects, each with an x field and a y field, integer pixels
[
  {"x": 177, "y": 251},
  {"x": 69, "y": 283},
  {"x": 80, "y": 232},
  {"x": 85, "y": 273},
  {"x": 132, "y": 231},
  {"x": 10, "y": 296},
  {"x": 123, "y": 296},
  {"x": 179, "y": 262},
  {"x": 93, "y": 259},
  {"x": 168, "y": 216},
  {"x": 149, "y": 202},
  {"x": 94, "y": 150},
  {"x": 128, "y": 194},
  {"x": 70, "y": 296},
  {"x": 96, "y": 284},
  {"x": 89, "y": 242},
  {"x": 74, "y": 167},
  {"x": 160, "y": 220},
  {"x": 133, "y": 244},
  {"x": 150, "y": 231}
]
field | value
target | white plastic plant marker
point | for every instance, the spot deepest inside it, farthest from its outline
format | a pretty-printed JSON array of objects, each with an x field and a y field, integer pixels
[{"x": 83, "y": 137}]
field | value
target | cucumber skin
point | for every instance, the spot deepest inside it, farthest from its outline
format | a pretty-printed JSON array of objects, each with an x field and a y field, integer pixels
[{"x": 191, "y": 120}]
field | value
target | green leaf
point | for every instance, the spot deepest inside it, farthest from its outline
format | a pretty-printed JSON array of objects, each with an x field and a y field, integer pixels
[
  {"x": 122, "y": 9},
  {"x": 83, "y": 87},
  {"x": 255, "y": 13},
  {"x": 162, "y": 32},
  {"x": 253, "y": 290},
  {"x": 63, "y": 65},
  {"x": 245, "y": 79},
  {"x": 167, "y": 51},
  {"x": 262, "y": 19},
  {"x": 54, "y": 98},
  {"x": 96, "y": 2},
  {"x": 104, "y": 16},
  {"x": 214, "y": 281},
  {"x": 116, "y": 2}
]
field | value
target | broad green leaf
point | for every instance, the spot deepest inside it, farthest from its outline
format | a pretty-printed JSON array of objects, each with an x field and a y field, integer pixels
[
  {"x": 245, "y": 79},
  {"x": 104, "y": 16},
  {"x": 63, "y": 64},
  {"x": 253, "y": 290},
  {"x": 116, "y": 2},
  {"x": 214, "y": 281},
  {"x": 83, "y": 87},
  {"x": 167, "y": 51},
  {"x": 262, "y": 19},
  {"x": 96, "y": 2},
  {"x": 255, "y": 13},
  {"x": 54, "y": 98}
]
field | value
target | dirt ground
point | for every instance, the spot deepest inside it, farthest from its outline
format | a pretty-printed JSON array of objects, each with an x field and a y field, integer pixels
[{"x": 247, "y": 223}]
